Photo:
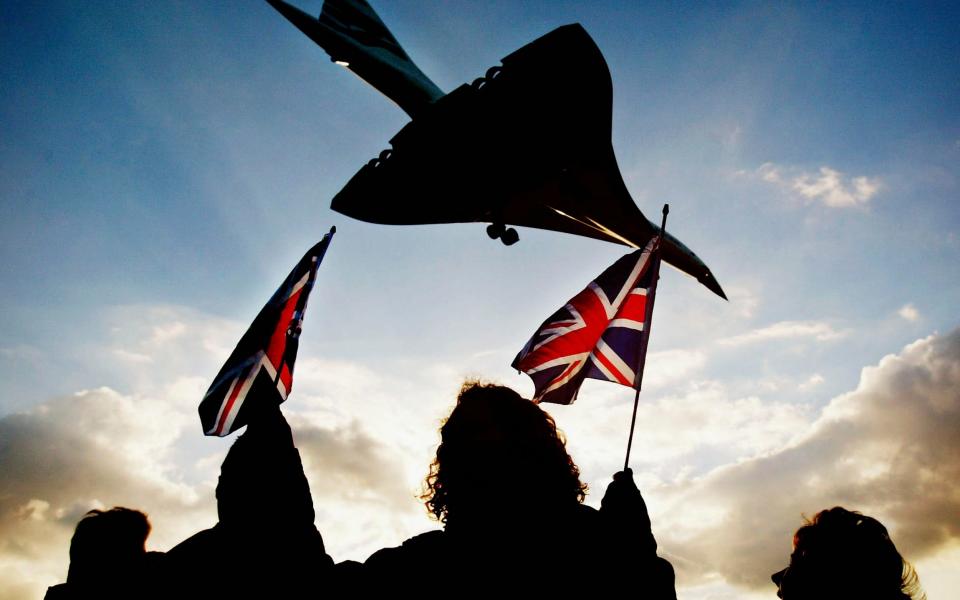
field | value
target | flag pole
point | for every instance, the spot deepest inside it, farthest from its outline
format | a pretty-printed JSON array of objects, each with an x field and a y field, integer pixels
[{"x": 636, "y": 397}]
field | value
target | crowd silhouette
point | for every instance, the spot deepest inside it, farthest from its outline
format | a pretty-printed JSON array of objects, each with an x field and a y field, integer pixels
[{"x": 510, "y": 500}]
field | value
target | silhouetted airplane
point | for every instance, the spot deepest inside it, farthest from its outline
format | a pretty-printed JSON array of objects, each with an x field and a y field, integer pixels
[{"x": 527, "y": 144}]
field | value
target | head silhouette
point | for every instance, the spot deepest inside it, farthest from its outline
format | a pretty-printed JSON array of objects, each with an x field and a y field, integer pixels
[
  {"x": 499, "y": 455},
  {"x": 107, "y": 547},
  {"x": 843, "y": 554}
]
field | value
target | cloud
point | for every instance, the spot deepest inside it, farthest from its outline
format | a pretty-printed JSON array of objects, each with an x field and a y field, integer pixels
[
  {"x": 347, "y": 464},
  {"x": 827, "y": 186},
  {"x": 165, "y": 339},
  {"x": 818, "y": 330},
  {"x": 668, "y": 366},
  {"x": 143, "y": 449},
  {"x": 100, "y": 448},
  {"x": 681, "y": 433},
  {"x": 768, "y": 172},
  {"x": 364, "y": 497},
  {"x": 889, "y": 449},
  {"x": 95, "y": 449},
  {"x": 133, "y": 357},
  {"x": 706, "y": 419},
  {"x": 743, "y": 300},
  {"x": 909, "y": 313},
  {"x": 814, "y": 380}
]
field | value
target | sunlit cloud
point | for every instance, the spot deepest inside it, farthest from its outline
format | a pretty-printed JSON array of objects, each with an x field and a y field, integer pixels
[
  {"x": 101, "y": 448},
  {"x": 94, "y": 449},
  {"x": 682, "y": 431},
  {"x": 909, "y": 312},
  {"x": 889, "y": 449},
  {"x": 744, "y": 300},
  {"x": 816, "y": 330},
  {"x": 827, "y": 186},
  {"x": 726, "y": 473},
  {"x": 128, "y": 356},
  {"x": 812, "y": 382},
  {"x": 669, "y": 366}
]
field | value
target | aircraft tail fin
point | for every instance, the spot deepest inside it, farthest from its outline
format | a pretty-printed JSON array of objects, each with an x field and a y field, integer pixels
[{"x": 354, "y": 36}]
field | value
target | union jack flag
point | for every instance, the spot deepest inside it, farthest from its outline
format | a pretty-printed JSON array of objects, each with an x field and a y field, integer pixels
[
  {"x": 260, "y": 369},
  {"x": 601, "y": 333}
]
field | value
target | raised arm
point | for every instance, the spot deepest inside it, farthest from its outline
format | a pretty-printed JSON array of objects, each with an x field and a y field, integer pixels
[{"x": 630, "y": 537}]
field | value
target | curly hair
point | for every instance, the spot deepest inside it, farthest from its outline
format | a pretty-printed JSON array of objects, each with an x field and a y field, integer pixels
[
  {"x": 497, "y": 443},
  {"x": 852, "y": 555}
]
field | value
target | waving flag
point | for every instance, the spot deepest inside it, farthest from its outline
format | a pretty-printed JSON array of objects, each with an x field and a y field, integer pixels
[
  {"x": 601, "y": 333},
  {"x": 260, "y": 369}
]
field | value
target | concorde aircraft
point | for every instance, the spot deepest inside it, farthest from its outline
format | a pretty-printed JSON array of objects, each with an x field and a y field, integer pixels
[{"x": 528, "y": 144}]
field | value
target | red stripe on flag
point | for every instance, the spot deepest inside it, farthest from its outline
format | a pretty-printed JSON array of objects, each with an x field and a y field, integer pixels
[
  {"x": 634, "y": 308},
  {"x": 572, "y": 366},
  {"x": 278, "y": 340},
  {"x": 286, "y": 378},
  {"x": 609, "y": 365}
]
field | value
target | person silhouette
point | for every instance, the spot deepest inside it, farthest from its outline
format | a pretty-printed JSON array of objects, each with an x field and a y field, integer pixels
[
  {"x": 509, "y": 497},
  {"x": 108, "y": 557},
  {"x": 841, "y": 554},
  {"x": 265, "y": 542}
]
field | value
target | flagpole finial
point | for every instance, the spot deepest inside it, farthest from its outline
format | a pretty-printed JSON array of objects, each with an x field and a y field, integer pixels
[
  {"x": 333, "y": 229},
  {"x": 663, "y": 223}
]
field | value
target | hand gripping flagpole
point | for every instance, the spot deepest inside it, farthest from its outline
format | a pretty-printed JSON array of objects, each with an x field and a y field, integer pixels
[{"x": 642, "y": 357}]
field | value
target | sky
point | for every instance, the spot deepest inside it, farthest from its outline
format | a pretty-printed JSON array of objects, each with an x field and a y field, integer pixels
[{"x": 164, "y": 165}]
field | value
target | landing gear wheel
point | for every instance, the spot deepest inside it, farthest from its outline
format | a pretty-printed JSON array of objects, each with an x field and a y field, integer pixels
[
  {"x": 495, "y": 230},
  {"x": 510, "y": 237}
]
